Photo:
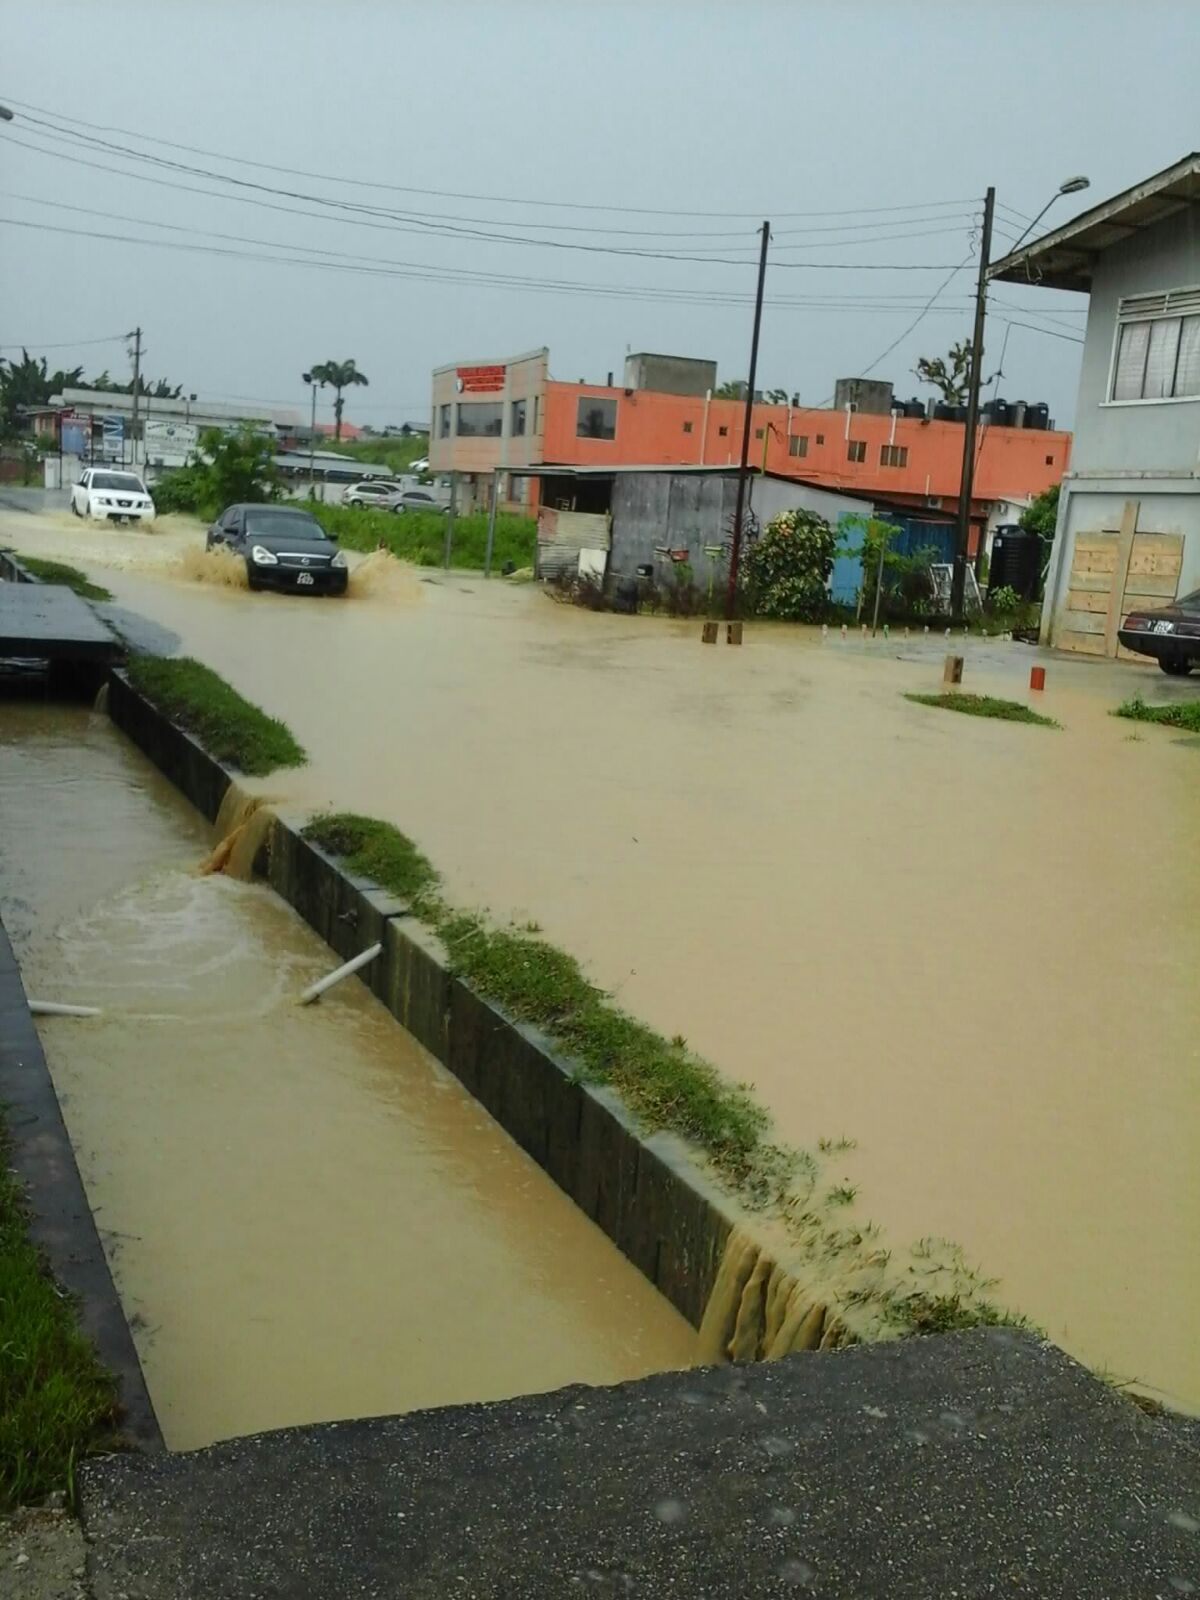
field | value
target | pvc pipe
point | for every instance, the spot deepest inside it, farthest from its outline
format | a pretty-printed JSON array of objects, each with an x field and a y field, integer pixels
[
  {"x": 316, "y": 990},
  {"x": 51, "y": 1008}
]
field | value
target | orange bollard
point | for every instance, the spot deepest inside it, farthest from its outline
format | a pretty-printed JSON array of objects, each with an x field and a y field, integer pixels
[{"x": 1037, "y": 677}]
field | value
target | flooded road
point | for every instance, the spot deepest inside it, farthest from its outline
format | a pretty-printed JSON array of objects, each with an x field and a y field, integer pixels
[
  {"x": 306, "y": 1216},
  {"x": 970, "y": 946}
]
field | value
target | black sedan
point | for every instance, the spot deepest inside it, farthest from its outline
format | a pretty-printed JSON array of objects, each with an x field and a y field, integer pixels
[
  {"x": 283, "y": 547},
  {"x": 1170, "y": 634}
]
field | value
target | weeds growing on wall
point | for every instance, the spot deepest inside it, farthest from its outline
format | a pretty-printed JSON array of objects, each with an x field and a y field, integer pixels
[
  {"x": 59, "y": 572},
  {"x": 227, "y": 725},
  {"x": 666, "y": 1085}
]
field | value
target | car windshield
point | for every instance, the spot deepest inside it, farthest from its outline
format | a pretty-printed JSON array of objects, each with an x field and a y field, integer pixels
[
  {"x": 283, "y": 524},
  {"x": 1191, "y": 601},
  {"x": 118, "y": 480}
]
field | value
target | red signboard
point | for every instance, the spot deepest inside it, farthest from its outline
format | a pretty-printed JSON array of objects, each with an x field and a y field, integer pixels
[{"x": 480, "y": 380}]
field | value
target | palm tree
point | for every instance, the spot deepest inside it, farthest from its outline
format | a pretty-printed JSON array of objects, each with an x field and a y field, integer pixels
[{"x": 338, "y": 375}]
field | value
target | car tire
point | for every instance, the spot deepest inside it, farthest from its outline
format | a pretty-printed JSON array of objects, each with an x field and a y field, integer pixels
[
  {"x": 1175, "y": 666},
  {"x": 398, "y": 511}
]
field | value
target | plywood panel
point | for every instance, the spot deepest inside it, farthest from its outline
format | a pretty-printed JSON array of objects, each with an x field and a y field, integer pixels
[
  {"x": 1095, "y": 560},
  {"x": 1086, "y": 600},
  {"x": 1085, "y": 621},
  {"x": 1161, "y": 553},
  {"x": 1094, "y": 582},
  {"x": 1089, "y": 644},
  {"x": 1159, "y": 587},
  {"x": 1095, "y": 541}
]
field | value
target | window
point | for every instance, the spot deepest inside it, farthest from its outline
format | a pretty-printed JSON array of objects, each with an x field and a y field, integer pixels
[
  {"x": 892, "y": 455},
  {"x": 480, "y": 419},
  {"x": 1157, "y": 354},
  {"x": 596, "y": 417},
  {"x": 722, "y": 432},
  {"x": 537, "y": 413},
  {"x": 758, "y": 433},
  {"x": 820, "y": 438},
  {"x": 1049, "y": 461},
  {"x": 443, "y": 422},
  {"x": 687, "y": 427},
  {"x": 856, "y": 450},
  {"x": 798, "y": 444},
  {"x": 517, "y": 426}
]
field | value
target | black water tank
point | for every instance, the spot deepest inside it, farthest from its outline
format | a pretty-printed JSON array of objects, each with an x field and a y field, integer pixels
[
  {"x": 1001, "y": 414},
  {"x": 1038, "y": 416},
  {"x": 1016, "y": 561},
  {"x": 943, "y": 412},
  {"x": 1017, "y": 410},
  {"x": 914, "y": 407}
]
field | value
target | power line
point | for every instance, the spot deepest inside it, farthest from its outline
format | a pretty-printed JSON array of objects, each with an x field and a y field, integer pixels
[
  {"x": 1050, "y": 333},
  {"x": 436, "y": 228},
  {"x": 65, "y": 344},
  {"x": 450, "y": 194}
]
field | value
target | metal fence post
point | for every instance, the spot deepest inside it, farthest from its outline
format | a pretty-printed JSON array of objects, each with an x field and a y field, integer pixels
[
  {"x": 491, "y": 527},
  {"x": 450, "y": 521}
]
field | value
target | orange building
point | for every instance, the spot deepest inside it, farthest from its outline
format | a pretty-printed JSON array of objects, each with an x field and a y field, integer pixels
[{"x": 511, "y": 416}]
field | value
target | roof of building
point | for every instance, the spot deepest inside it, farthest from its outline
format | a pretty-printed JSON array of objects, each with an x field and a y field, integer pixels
[
  {"x": 1065, "y": 259},
  {"x": 177, "y": 408},
  {"x": 723, "y": 471}
]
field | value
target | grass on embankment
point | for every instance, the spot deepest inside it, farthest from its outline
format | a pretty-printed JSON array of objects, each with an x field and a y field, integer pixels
[
  {"x": 420, "y": 536},
  {"x": 57, "y": 1403},
  {"x": 1183, "y": 714},
  {"x": 229, "y": 727},
  {"x": 668, "y": 1086},
  {"x": 58, "y": 572},
  {"x": 983, "y": 705}
]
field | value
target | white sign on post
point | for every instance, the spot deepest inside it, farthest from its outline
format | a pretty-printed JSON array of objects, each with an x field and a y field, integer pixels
[{"x": 170, "y": 440}]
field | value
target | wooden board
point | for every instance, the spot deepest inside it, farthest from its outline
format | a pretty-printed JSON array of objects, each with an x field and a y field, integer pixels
[{"x": 1085, "y": 600}]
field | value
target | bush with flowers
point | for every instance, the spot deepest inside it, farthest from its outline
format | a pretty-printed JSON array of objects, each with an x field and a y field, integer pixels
[{"x": 784, "y": 573}]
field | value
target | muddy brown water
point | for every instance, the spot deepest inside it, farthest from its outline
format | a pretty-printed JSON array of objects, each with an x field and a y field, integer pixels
[
  {"x": 306, "y": 1216},
  {"x": 971, "y": 946}
]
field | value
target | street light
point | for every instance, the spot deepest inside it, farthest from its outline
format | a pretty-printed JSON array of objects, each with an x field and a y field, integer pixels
[
  {"x": 1071, "y": 186},
  {"x": 316, "y": 383},
  {"x": 967, "y": 480}
]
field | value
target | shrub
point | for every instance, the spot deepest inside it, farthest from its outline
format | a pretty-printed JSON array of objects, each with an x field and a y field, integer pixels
[
  {"x": 785, "y": 571},
  {"x": 420, "y": 536},
  {"x": 228, "y": 726}
]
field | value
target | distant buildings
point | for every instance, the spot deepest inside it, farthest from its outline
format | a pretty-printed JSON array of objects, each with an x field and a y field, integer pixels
[
  {"x": 1128, "y": 531},
  {"x": 511, "y": 415}
]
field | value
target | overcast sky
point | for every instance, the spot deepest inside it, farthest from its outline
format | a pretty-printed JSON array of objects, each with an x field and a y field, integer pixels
[{"x": 692, "y": 120}]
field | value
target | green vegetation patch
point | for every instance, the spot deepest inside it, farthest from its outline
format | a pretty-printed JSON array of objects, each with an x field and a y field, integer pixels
[
  {"x": 1182, "y": 714},
  {"x": 420, "y": 536},
  {"x": 58, "y": 572},
  {"x": 57, "y": 1403},
  {"x": 983, "y": 705},
  {"x": 229, "y": 727},
  {"x": 378, "y": 851}
]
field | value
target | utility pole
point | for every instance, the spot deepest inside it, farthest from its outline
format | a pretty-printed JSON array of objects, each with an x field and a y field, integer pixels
[
  {"x": 137, "y": 378},
  {"x": 967, "y": 481},
  {"x": 744, "y": 469}
]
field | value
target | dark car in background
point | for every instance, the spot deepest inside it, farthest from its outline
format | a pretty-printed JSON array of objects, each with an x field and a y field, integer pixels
[
  {"x": 283, "y": 547},
  {"x": 1171, "y": 634}
]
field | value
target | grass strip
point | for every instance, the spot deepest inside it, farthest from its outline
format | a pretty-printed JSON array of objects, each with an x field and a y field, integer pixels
[
  {"x": 983, "y": 705},
  {"x": 229, "y": 727},
  {"x": 420, "y": 536},
  {"x": 58, "y": 572},
  {"x": 1182, "y": 714},
  {"x": 665, "y": 1084},
  {"x": 57, "y": 1403}
]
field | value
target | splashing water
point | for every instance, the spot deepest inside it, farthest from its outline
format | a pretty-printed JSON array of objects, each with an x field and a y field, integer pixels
[
  {"x": 380, "y": 576},
  {"x": 220, "y": 567}
]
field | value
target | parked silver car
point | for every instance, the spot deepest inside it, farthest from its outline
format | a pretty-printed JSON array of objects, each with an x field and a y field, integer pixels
[{"x": 378, "y": 492}]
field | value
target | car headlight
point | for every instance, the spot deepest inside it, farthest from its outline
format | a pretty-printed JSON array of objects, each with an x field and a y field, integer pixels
[
  {"x": 263, "y": 557},
  {"x": 103, "y": 500},
  {"x": 339, "y": 560}
]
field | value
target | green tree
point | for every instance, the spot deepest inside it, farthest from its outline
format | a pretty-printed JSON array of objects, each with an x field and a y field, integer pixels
[
  {"x": 949, "y": 374},
  {"x": 785, "y": 572},
  {"x": 28, "y": 382},
  {"x": 777, "y": 397},
  {"x": 155, "y": 388},
  {"x": 731, "y": 389},
  {"x": 338, "y": 375},
  {"x": 231, "y": 468},
  {"x": 1041, "y": 515}
]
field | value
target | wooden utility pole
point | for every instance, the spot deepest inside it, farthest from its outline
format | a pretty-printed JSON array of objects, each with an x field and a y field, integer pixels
[
  {"x": 744, "y": 469},
  {"x": 967, "y": 480},
  {"x": 137, "y": 379}
]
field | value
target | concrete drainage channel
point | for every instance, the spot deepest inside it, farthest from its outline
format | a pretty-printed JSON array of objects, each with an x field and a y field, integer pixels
[{"x": 647, "y": 1193}]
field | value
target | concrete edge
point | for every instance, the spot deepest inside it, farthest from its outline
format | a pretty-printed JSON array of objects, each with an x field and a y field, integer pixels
[
  {"x": 61, "y": 1224},
  {"x": 11, "y": 570},
  {"x": 648, "y": 1192}
]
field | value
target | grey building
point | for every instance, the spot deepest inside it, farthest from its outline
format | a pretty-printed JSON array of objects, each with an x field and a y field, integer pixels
[
  {"x": 670, "y": 374},
  {"x": 656, "y": 517},
  {"x": 1128, "y": 531}
]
